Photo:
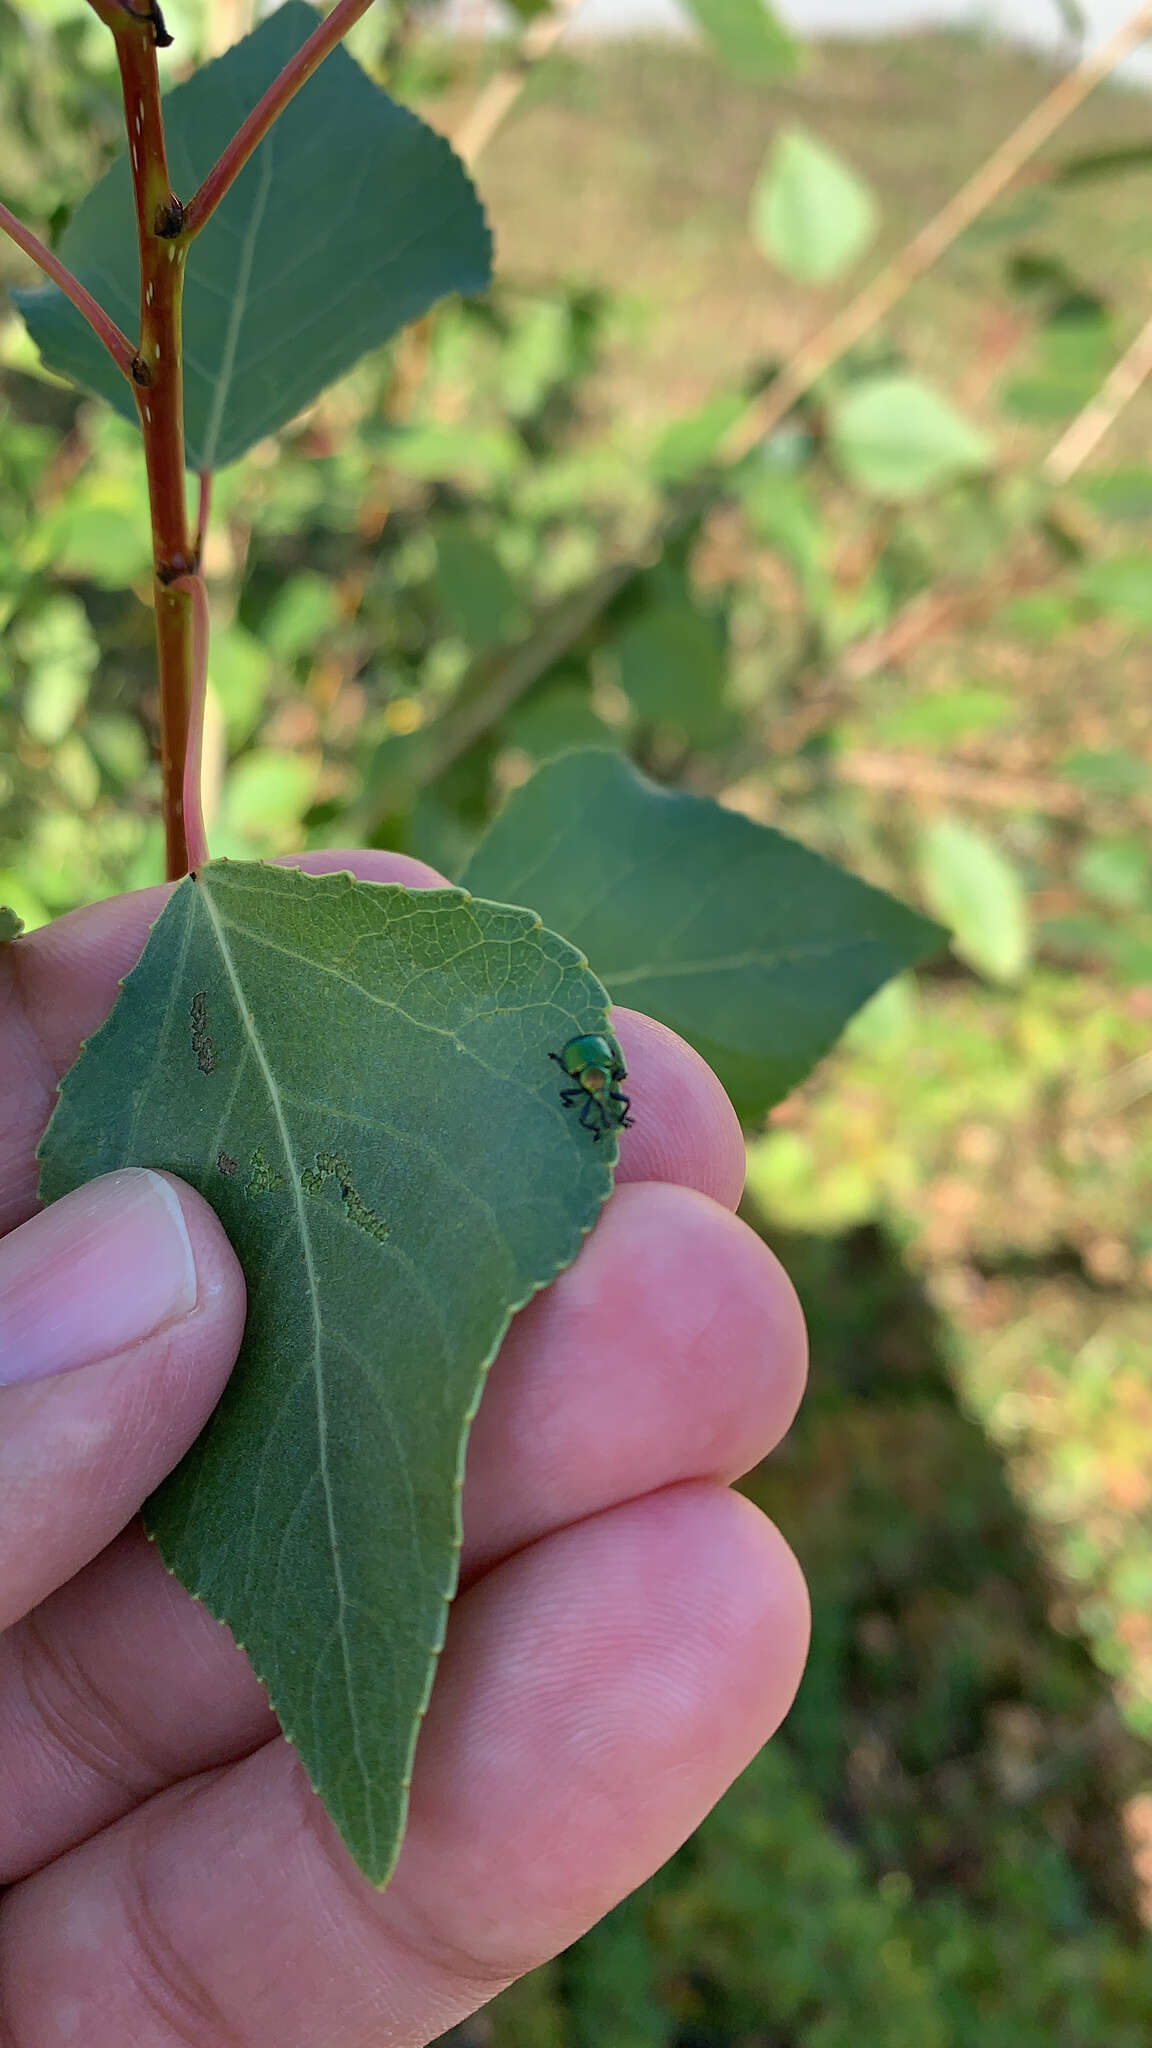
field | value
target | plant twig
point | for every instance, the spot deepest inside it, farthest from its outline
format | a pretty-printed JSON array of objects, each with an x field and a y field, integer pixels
[
  {"x": 494, "y": 103},
  {"x": 1089, "y": 427},
  {"x": 117, "y": 344},
  {"x": 158, "y": 381},
  {"x": 197, "y": 843},
  {"x": 878, "y": 297},
  {"x": 268, "y": 108}
]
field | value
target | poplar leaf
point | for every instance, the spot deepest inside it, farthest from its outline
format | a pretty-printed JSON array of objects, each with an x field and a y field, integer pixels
[{"x": 357, "y": 1078}]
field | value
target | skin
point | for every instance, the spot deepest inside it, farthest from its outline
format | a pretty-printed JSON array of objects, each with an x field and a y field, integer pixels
[{"x": 629, "y": 1632}]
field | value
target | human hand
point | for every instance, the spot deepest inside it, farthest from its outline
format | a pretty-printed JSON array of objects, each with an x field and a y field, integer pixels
[{"x": 627, "y": 1635}]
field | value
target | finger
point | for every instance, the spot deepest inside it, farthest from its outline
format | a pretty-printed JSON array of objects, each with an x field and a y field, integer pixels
[
  {"x": 673, "y": 1349},
  {"x": 684, "y": 1127},
  {"x": 121, "y": 1309},
  {"x": 599, "y": 1693}
]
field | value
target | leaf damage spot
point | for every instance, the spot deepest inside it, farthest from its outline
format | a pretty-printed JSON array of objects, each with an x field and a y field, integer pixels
[
  {"x": 330, "y": 1166},
  {"x": 263, "y": 1179},
  {"x": 225, "y": 1164},
  {"x": 202, "y": 1045}
]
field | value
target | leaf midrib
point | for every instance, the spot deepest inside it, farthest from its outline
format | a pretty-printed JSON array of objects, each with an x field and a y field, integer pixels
[
  {"x": 236, "y": 313},
  {"x": 296, "y": 1185}
]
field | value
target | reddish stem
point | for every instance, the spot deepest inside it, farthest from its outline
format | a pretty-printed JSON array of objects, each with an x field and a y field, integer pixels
[
  {"x": 296, "y": 73},
  {"x": 118, "y": 345},
  {"x": 158, "y": 378},
  {"x": 195, "y": 837},
  {"x": 204, "y": 508}
]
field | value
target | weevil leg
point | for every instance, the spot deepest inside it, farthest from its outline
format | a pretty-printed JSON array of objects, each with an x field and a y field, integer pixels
[{"x": 591, "y": 1103}]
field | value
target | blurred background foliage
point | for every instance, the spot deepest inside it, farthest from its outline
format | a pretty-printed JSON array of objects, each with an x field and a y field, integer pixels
[{"x": 885, "y": 630}]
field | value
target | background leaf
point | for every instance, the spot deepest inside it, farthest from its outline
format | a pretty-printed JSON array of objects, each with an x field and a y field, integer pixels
[
  {"x": 978, "y": 894},
  {"x": 747, "y": 34},
  {"x": 352, "y": 218},
  {"x": 754, "y": 949},
  {"x": 811, "y": 214},
  {"x": 672, "y": 667},
  {"x": 897, "y": 438},
  {"x": 357, "y": 1078},
  {"x": 11, "y": 926}
]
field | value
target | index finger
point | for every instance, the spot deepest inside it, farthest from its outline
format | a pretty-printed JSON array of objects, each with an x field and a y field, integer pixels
[{"x": 58, "y": 984}]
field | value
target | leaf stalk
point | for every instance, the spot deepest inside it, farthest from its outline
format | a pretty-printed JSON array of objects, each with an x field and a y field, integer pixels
[{"x": 268, "y": 108}]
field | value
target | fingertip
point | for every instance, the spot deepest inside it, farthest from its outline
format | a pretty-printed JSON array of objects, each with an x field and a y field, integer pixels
[
  {"x": 368, "y": 864},
  {"x": 222, "y": 1293},
  {"x": 684, "y": 1127}
]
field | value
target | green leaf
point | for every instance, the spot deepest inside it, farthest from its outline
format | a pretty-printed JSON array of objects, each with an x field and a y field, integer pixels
[
  {"x": 688, "y": 443},
  {"x": 59, "y": 648},
  {"x": 1119, "y": 494},
  {"x": 747, "y": 34},
  {"x": 896, "y": 438},
  {"x": 1121, "y": 589},
  {"x": 266, "y": 793},
  {"x": 977, "y": 893},
  {"x": 555, "y": 721},
  {"x": 357, "y": 1078},
  {"x": 11, "y": 926},
  {"x": 474, "y": 591},
  {"x": 1107, "y": 772},
  {"x": 351, "y": 219},
  {"x": 942, "y": 718},
  {"x": 811, "y": 214},
  {"x": 1088, "y": 165},
  {"x": 1116, "y": 870},
  {"x": 754, "y": 949},
  {"x": 673, "y": 669}
]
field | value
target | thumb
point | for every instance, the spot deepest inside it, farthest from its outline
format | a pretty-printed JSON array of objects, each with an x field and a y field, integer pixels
[{"x": 121, "y": 1310}]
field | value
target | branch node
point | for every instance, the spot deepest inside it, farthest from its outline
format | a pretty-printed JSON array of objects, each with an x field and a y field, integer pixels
[
  {"x": 160, "y": 33},
  {"x": 140, "y": 372},
  {"x": 169, "y": 220},
  {"x": 176, "y": 566}
]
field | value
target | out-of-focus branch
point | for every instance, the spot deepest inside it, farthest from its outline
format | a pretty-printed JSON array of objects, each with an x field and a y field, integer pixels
[
  {"x": 1089, "y": 427},
  {"x": 911, "y": 775},
  {"x": 499, "y": 96},
  {"x": 870, "y": 306}
]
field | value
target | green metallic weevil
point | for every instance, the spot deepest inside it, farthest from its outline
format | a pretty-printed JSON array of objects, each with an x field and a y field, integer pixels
[{"x": 597, "y": 1067}]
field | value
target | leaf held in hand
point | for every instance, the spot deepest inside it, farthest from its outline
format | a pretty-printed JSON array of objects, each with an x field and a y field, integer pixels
[
  {"x": 357, "y": 1077},
  {"x": 352, "y": 218},
  {"x": 754, "y": 949}
]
